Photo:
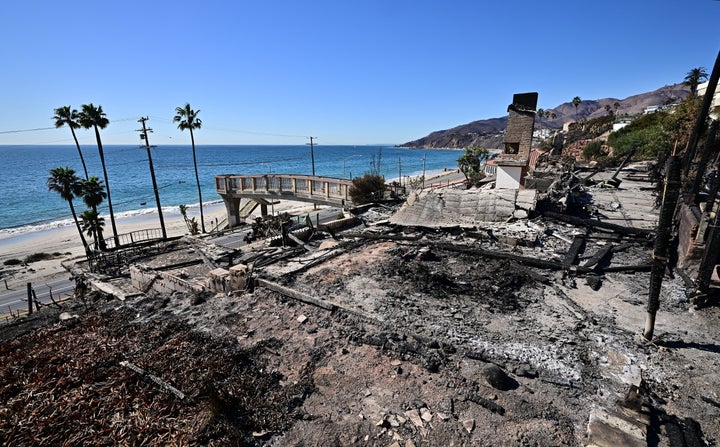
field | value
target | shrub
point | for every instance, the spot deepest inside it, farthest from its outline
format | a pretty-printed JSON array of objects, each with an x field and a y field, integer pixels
[
  {"x": 366, "y": 189},
  {"x": 12, "y": 262},
  {"x": 35, "y": 257},
  {"x": 593, "y": 150}
]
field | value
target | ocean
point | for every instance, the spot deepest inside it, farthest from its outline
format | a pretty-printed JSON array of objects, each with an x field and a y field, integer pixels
[{"x": 27, "y": 205}]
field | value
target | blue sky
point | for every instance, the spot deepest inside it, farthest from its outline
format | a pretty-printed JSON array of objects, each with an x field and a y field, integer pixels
[{"x": 345, "y": 71}]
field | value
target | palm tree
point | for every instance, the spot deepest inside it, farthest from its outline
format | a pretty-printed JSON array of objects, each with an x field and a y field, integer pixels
[
  {"x": 67, "y": 184},
  {"x": 540, "y": 113},
  {"x": 576, "y": 102},
  {"x": 94, "y": 117},
  {"x": 93, "y": 225},
  {"x": 65, "y": 115},
  {"x": 93, "y": 193},
  {"x": 694, "y": 77},
  {"x": 187, "y": 119}
]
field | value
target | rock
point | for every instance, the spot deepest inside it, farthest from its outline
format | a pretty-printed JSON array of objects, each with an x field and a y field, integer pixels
[
  {"x": 469, "y": 425},
  {"x": 526, "y": 371},
  {"x": 67, "y": 316},
  {"x": 392, "y": 420},
  {"x": 417, "y": 403},
  {"x": 425, "y": 415},
  {"x": 302, "y": 319},
  {"x": 520, "y": 214},
  {"x": 595, "y": 282},
  {"x": 414, "y": 417},
  {"x": 498, "y": 379}
]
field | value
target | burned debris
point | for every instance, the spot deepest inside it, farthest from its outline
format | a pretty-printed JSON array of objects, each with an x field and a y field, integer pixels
[{"x": 506, "y": 316}]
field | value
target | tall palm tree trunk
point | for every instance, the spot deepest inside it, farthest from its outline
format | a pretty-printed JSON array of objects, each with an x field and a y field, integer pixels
[
  {"x": 82, "y": 159},
  {"x": 197, "y": 180},
  {"x": 77, "y": 224},
  {"x": 107, "y": 187}
]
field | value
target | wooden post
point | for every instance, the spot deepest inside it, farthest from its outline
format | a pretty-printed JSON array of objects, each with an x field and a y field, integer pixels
[
  {"x": 708, "y": 149},
  {"x": 660, "y": 250},
  {"x": 29, "y": 298},
  {"x": 37, "y": 303}
]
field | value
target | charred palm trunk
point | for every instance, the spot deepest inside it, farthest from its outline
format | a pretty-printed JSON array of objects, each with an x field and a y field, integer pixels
[
  {"x": 197, "y": 180},
  {"x": 708, "y": 149},
  {"x": 107, "y": 188},
  {"x": 662, "y": 241},
  {"x": 77, "y": 224},
  {"x": 82, "y": 159}
]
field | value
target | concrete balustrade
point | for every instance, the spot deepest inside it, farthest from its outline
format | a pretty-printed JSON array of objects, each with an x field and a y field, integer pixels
[{"x": 264, "y": 188}]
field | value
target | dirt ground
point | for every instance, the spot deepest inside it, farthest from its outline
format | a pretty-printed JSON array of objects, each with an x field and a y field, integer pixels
[{"x": 428, "y": 344}]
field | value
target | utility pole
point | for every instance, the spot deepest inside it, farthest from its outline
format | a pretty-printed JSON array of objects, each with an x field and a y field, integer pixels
[
  {"x": 312, "y": 154},
  {"x": 144, "y": 136},
  {"x": 423, "y": 177},
  {"x": 399, "y": 171}
]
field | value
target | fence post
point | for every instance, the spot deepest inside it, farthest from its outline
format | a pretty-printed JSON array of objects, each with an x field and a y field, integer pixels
[{"x": 29, "y": 298}]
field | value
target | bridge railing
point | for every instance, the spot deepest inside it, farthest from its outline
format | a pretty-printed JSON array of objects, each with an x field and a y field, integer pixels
[{"x": 305, "y": 186}]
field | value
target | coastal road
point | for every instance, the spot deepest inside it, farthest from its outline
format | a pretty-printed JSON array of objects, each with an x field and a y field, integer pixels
[{"x": 14, "y": 300}]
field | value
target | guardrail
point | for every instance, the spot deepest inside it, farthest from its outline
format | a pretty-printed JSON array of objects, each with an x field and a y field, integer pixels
[{"x": 134, "y": 238}]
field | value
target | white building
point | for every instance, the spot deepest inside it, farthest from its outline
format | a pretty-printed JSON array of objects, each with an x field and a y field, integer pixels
[{"x": 701, "y": 89}]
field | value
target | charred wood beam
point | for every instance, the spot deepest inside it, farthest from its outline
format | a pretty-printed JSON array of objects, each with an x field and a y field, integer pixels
[
  {"x": 533, "y": 262},
  {"x": 389, "y": 237},
  {"x": 589, "y": 223},
  {"x": 166, "y": 386},
  {"x": 576, "y": 247},
  {"x": 540, "y": 263},
  {"x": 598, "y": 256},
  {"x": 660, "y": 249},
  {"x": 627, "y": 268},
  {"x": 295, "y": 294}
]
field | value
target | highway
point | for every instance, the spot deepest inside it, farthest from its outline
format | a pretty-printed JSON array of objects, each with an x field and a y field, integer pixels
[{"x": 14, "y": 300}]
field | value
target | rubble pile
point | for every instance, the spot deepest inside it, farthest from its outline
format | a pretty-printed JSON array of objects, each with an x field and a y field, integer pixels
[
  {"x": 66, "y": 385},
  {"x": 520, "y": 332}
]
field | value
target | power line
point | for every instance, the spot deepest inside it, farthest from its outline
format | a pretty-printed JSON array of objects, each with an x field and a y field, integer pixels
[{"x": 26, "y": 130}]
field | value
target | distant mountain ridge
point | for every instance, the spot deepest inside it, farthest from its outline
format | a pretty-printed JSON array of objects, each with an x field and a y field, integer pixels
[{"x": 488, "y": 133}]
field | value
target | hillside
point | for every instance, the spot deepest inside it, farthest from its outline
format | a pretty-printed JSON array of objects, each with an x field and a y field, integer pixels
[{"x": 489, "y": 132}]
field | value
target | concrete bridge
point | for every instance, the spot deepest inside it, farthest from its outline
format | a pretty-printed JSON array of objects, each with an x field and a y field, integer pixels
[{"x": 266, "y": 188}]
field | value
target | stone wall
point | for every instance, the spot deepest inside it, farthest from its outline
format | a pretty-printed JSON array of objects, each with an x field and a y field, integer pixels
[
  {"x": 517, "y": 141},
  {"x": 145, "y": 279}
]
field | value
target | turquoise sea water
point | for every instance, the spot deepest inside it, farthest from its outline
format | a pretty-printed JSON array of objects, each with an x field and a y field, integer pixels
[{"x": 26, "y": 204}]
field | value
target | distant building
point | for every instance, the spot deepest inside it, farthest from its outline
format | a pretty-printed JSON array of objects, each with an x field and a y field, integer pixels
[
  {"x": 659, "y": 108},
  {"x": 702, "y": 89},
  {"x": 620, "y": 124}
]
